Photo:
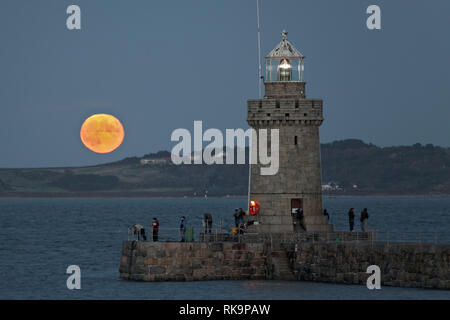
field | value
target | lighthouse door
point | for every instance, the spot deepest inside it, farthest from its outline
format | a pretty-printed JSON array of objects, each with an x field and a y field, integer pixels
[{"x": 296, "y": 204}]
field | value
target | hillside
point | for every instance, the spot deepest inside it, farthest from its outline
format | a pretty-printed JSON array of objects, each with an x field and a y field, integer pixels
[{"x": 350, "y": 167}]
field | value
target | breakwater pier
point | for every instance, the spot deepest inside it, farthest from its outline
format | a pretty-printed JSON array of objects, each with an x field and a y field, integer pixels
[{"x": 296, "y": 257}]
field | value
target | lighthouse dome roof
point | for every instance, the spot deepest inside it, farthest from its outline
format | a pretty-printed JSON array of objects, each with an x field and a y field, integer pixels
[{"x": 285, "y": 49}]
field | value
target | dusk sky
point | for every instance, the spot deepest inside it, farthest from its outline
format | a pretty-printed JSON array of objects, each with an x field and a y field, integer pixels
[{"x": 160, "y": 65}]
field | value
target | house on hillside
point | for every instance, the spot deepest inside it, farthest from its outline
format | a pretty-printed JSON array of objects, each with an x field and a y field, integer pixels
[{"x": 154, "y": 161}]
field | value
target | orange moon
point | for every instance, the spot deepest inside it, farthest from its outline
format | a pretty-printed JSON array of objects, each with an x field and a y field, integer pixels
[{"x": 102, "y": 133}]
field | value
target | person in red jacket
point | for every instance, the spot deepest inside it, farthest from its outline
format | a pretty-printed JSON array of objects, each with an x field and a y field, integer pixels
[{"x": 155, "y": 229}]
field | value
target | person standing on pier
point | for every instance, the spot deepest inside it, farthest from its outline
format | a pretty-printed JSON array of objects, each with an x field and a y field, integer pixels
[
  {"x": 364, "y": 219},
  {"x": 236, "y": 217},
  {"x": 300, "y": 218},
  {"x": 325, "y": 213},
  {"x": 183, "y": 229},
  {"x": 155, "y": 229},
  {"x": 207, "y": 223},
  {"x": 351, "y": 218},
  {"x": 241, "y": 216}
]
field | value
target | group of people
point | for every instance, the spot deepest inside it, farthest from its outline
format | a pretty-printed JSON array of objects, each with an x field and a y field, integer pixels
[
  {"x": 363, "y": 219},
  {"x": 139, "y": 231},
  {"x": 351, "y": 218}
]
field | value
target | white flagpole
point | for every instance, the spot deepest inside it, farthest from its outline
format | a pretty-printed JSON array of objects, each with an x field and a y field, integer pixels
[
  {"x": 260, "y": 96},
  {"x": 259, "y": 49}
]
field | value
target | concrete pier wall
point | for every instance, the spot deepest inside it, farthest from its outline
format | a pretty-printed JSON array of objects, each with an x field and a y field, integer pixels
[{"x": 408, "y": 265}]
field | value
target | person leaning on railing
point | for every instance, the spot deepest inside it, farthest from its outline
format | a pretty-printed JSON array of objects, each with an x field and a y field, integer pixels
[{"x": 139, "y": 231}]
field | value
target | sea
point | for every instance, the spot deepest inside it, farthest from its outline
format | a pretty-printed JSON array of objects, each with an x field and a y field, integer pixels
[{"x": 40, "y": 238}]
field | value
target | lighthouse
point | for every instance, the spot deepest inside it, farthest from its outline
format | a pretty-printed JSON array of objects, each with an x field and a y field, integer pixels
[{"x": 291, "y": 199}]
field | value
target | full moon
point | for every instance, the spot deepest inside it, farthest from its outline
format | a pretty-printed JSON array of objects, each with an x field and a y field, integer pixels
[{"x": 102, "y": 133}]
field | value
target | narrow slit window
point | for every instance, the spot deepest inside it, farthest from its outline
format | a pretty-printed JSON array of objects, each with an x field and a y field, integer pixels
[{"x": 295, "y": 140}]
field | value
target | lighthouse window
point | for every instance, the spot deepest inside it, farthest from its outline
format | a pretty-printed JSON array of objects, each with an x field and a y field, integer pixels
[
  {"x": 278, "y": 104},
  {"x": 296, "y": 104},
  {"x": 295, "y": 140}
]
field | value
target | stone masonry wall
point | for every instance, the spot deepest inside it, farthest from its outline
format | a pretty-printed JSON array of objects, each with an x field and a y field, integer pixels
[
  {"x": 409, "y": 265},
  {"x": 284, "y": 89},
  {"x": 299, "y": 174},
  {"x": 298, "y": 178},
  {"x": 174, "y": 261}
]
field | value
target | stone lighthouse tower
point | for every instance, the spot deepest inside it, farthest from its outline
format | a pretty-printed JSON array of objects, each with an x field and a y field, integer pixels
[{"x": 297, "y": 187}]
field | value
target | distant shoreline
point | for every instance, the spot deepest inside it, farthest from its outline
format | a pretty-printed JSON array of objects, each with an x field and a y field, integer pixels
[
  {"x": 118, "y": 195},
  {"x": 105, "y": 195}
]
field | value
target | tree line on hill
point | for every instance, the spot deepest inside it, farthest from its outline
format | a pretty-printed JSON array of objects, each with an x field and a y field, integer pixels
[{"x": 356, "y": 167}]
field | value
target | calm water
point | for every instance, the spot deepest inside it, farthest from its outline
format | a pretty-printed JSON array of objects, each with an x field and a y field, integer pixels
[{"x": 40, "y": 237}]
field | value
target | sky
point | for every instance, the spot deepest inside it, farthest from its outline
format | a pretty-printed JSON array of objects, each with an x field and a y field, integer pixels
[{"x": 160, "y": 65}]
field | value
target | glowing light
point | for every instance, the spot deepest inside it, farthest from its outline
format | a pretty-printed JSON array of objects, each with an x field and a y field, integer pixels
[
  {"x": 253, "y": 208},
  {"x": 285, "y": 64}
]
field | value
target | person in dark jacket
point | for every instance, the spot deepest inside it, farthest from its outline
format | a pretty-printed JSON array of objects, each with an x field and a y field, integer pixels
[
  {"x": 155, "y": 227},
  {"x": 300, "y": 218},
  {"x": 364, "y": 219},
  {"x": 236, "y": 217},
  {"x": 207, "y": 222},
  {"x": 241, "y": 215},
  {"x": 325, "y": 213},
  {"x": 351, "y": 218},
  {"x": 183, "y": 229}
]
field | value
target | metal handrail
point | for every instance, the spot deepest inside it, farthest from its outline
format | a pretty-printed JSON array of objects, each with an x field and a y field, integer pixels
[{"x": 374, "y": 236}]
